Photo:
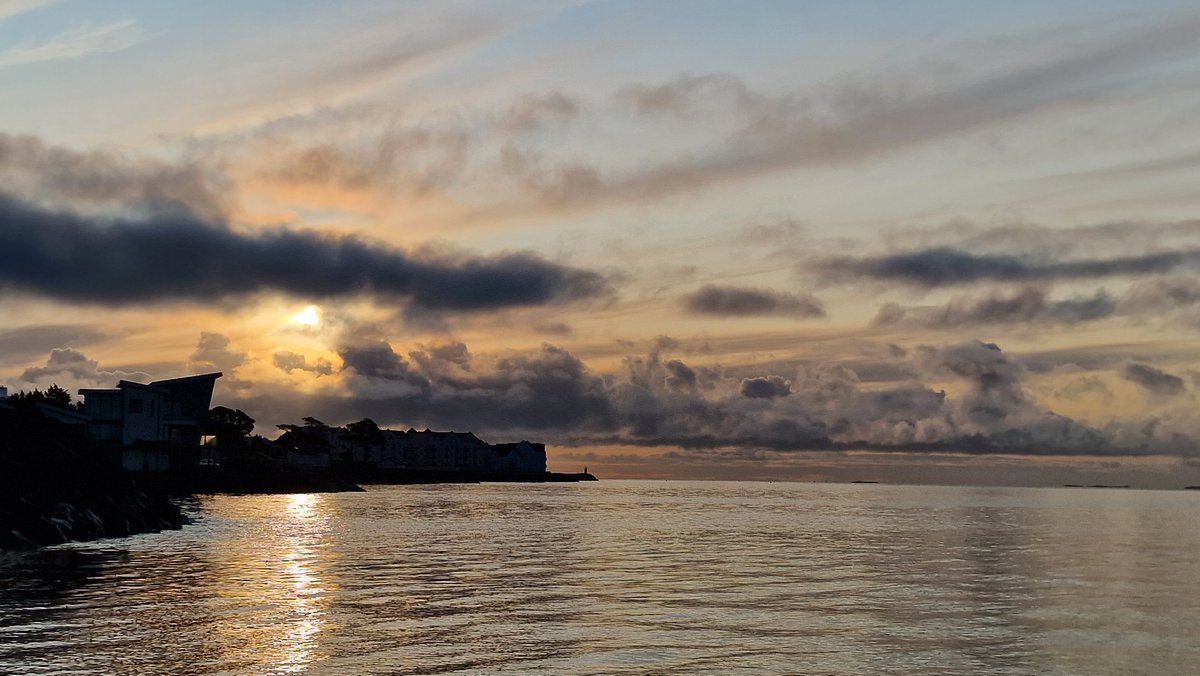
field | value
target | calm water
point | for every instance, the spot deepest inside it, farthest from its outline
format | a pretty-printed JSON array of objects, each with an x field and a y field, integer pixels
[{"x": 628, "y": 577}]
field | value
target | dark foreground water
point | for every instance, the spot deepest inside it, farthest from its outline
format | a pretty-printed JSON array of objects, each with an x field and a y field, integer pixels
[{"x": 628, "y": 577}]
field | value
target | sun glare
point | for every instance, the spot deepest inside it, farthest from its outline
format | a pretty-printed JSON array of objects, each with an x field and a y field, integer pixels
[{"x": 309, "y": 316}]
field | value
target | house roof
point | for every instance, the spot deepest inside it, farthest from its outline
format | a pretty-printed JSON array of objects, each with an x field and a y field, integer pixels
[
  {"x": 129, "y": 384},
  {"x": 188, "y": 379}
]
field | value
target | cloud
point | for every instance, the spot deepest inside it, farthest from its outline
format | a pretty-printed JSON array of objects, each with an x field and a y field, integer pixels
[
  {"x": 72, "y": 367},
  {"x": 945, "y": 267},
  {"x": 1030, "y": 242},
  {"x": 1165, "y": 297},
  {"x": 654, "y": 402},
  {"x": 852, "y": 120},
  {"x": 18, "y": 344},
  {"x": 518, "y": 394},
  {"x": 11, "y": 8},
  {"x": 213, "y": 354},
  {"x": 1160, "y": 295},
  {"x": 740, "y": 301},
  {"x": 1153, "y": 380},
  {"x": 733, "y": 130},
  {"x": 290, "y": 361},
  {"x": 411, "y": 160},
  {"x": 533, "y": 112},
  {"x": 680, "y": 377},
  {"x": 1027, "y": 305},
  {"x": 121, "y": 261},
  {"x": 767, "y": 387},
  {"x": 377, "y": 359},
  {"x": 107, "y": 181},
  {"x": 687, "y": 94},
  {"x": 1086, "y": 386},
  {"x": 75, "y": 43},
  {"x": 439, "y": 356}
]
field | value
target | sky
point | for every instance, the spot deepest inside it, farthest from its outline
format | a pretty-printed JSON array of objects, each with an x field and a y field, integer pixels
[{"x": 931, "y": 241}]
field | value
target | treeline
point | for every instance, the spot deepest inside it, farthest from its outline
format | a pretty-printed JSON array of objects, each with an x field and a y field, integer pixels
[{"x": 53, "y": 396}]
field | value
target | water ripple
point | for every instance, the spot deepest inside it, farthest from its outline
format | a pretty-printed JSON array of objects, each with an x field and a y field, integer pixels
[{"x": 625, "y": 578}]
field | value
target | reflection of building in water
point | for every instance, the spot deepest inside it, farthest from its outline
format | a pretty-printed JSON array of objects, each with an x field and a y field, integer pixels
[{"x": 150, "y": 422}]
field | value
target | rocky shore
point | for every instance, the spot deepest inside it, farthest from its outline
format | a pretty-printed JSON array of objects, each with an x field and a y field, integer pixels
[
  {"x": 34, "y": 518},
  {"x": 53, "y": 490}
]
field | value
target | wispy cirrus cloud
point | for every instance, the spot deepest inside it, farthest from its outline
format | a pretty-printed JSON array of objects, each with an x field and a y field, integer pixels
[
  {"x": 74, "y": 43},
  {"x": 11, "y": 8},
  {"x": 737, "y": 130}
]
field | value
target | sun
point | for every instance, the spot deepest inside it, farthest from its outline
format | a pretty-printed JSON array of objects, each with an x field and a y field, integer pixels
[{"x": 309, "y": 316}]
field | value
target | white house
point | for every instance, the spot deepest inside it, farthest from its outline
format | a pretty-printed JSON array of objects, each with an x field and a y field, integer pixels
[{"x": 148, "y": 420}]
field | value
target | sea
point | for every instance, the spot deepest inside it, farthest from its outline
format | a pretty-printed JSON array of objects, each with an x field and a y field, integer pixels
[{"x": 626, "y": 577}]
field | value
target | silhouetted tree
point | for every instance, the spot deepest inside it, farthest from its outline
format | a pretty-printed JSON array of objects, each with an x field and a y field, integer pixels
[
  {"x": 365, "y": 432},
  {"x": 53, "y": 396},
  {"x": 229, "y": 425}
]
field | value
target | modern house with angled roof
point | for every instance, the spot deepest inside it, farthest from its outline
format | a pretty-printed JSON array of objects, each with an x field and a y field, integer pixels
[{"x": 149, "y": 419}]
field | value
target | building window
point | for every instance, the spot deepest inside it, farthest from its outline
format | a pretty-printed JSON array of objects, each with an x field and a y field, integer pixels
[{"x": 135, "y": 405}]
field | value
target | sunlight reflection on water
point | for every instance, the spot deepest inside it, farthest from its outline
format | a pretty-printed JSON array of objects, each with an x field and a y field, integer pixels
[{"x": 626, "y": 577}]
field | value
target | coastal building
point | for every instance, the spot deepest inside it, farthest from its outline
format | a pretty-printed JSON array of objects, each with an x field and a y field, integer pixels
[
  {"x": 522, "y": 456},
  {"x": 151, "y": 421},
  {"x": 431, "y": 450},
  {"x": 415, "y": 450}
]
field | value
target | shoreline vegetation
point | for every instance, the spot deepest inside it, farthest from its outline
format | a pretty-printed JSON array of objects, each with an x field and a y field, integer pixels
[{"x": 58, "y": 485}]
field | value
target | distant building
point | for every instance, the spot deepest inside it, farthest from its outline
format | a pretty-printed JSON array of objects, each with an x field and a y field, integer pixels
[
  {"x": 522, "y": 456},
  {"x": 422, "y": 451},
  {"x": 443, "y": 450},
  {"x": 3, "y": 393},
  {"x": 148, "y": 420}
]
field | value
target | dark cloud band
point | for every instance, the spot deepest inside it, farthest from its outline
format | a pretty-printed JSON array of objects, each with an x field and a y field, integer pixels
[
  {"x": 125, "y": 261},
  {"x": 945, "y": 267},
  {"x": 738, "y": 301}
]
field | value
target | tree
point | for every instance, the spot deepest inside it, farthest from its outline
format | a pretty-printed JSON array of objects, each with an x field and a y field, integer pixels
[
  {"x": 229, "y": 425},
  {"x": 53, "y": 396},
  {"x": 57, "y": 396},
  {"x": 365, "y": 432}
]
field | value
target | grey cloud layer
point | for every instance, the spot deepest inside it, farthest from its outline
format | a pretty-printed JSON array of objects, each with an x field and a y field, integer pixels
[
  {"x": 1153, "y": 380},
  {"x": 30, "y": 341},
  {"x": 946, "y": 267},
  {"x": 656, "y": 401},
  {"x": 123, "y": 261},
  {"x": 72, "y": 366},
  {"x": 1165, "y": 297},
  {"x": 100, "y": 179},
  {"x": 740, "y": 301}
]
